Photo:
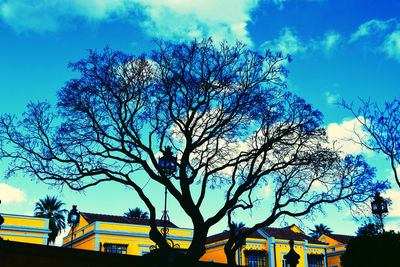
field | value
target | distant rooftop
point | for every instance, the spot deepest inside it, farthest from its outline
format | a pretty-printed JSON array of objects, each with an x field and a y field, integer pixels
[
  {"x": 93, "y": 217},
  {"x": 341, "y": 238},
  {"x": 287, "y": 234}
]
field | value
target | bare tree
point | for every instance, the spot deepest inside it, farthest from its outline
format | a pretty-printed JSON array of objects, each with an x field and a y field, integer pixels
[
  {"x": 300, "y": 190},
  {"x": 383, "y": 127},
  {"x": 224, "y": 111}
]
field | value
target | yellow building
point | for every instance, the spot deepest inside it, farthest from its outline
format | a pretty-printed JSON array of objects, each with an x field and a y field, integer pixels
[
  {"x": 22, "y": 228},
  {"x": 268, "y": 246},
  {"x": 336, "y": 247},
  {"x": 118, "y": 234}
]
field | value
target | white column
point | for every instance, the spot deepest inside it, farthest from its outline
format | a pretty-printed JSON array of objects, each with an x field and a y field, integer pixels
[
  {"x": 271, "y": 251},
  {"x": 325, "y": 259},
  {"x": 305, "y": 253},
  {"x": 239, "y": 256}
]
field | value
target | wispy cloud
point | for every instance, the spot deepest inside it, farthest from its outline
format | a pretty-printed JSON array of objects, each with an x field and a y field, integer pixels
[
  {"x": 391, "y": 46},
  {"x": 370, "y": 27},
  {"x": 51, "y": 15},
  {"x": 288, "y": 42},
  {"x": 171, "y": 19},
  {"x": 331, "y": 98},
  {"x": 9, "y": 194},
  {"x": 330, "y": 41}
]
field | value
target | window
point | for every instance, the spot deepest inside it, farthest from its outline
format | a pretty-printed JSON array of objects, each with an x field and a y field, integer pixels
[
  {"x": 115, "y": 248},
  {"x": 315, "y": 260},
  {"x": 255, "y": 258}
]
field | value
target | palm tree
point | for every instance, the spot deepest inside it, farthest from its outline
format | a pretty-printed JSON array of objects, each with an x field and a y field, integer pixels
[
  {"x": 320, "y": 230},
  {"x": 137, "y": 213},
  {"x": 50, "y": 207},
  {"x": 236, "y": 226}
]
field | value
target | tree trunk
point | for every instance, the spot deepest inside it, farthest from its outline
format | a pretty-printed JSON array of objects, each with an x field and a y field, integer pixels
[
  {"x": 230, "y": 253},
  {"x": 197, "y": 247}
]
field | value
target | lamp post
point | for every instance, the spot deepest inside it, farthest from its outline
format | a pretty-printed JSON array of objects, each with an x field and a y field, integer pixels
[
  {"x": 379, "y": 207},
  {"x": 73, "y": 220},
  {"x": 168, "y": 165}
]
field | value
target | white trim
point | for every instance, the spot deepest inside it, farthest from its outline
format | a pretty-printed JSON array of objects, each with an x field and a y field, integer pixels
[
  {"x": 345, "y": 245},
  {"x": 96, "y": 242},
  {"x": 31, "y": 229},
  {"x": 146, "y": 226},
  {"x": 22, "y": 235},
  {"x": 271, "y": 251}
]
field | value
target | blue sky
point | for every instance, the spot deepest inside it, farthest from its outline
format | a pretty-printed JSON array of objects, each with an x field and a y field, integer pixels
[{"x": 341, "y": 49}]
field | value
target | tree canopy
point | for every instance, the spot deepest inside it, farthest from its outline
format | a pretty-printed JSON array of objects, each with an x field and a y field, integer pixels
[
  {"x": 224, "y": 110},
  {"x": 320, "y": 230},
  {"x": 368, "y": 229},
  {"x": 137, "y": 213}
]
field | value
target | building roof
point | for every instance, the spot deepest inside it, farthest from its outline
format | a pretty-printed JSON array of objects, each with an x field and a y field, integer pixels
[
  {"x": 287, "y": 234},
  {"x": 225, "y": 235},
  {"x": 341, "y": 238},
  {"x": 279, "y": 233},
  {"x": 93, "y": 217}
]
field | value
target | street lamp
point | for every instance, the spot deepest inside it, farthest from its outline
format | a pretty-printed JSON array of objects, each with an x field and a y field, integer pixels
[
  {"x": 73, "y": 220},
  {"x": 379, "y": 206},
  {"x": 168, "y": 165}
]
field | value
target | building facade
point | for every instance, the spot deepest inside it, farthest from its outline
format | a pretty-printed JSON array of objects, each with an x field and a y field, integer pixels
[
  {"x": 27, "y": 229},
  {"x": 122, "y": 235},
  {"x": 268, "y": 246},
  {"x": 336, "y": 247}
]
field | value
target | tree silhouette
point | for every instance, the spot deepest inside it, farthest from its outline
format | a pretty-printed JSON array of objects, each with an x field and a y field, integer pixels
[
  {"x": 320, "y": 230},
  {"x": 368, "y": 229},
  {"x": 137, "y": 213},
  {"x": 359, "y": 250},
  {"x": 225, "y": 111},
  {"x": 51, "y": 207},
  {"x": 383, "y": 127}
]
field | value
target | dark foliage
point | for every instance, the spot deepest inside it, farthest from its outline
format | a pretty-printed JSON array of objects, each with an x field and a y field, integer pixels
[
  {"x": 371, "y": 251},
  {"x": 320, "y": 230},
  {"x": 368, "y": 229},
  {"x": 137, "y": 213}
]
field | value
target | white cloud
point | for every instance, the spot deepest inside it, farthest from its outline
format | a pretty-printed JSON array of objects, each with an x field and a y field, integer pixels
[
  {"x": 331, "y": 98},
  {"x": 371, "y": 27},
  {"x": 344, "y": 135},
  {"x": 394, "y": 195},
  {"x": 391, "y": 45},
  {"x": 330, "y": 41},
  {"x": 171, "y": 19},
  {"x": 9, "y": 194},
  {"x": 287, "y": 43},
  {"x": 178, "y": 19},
  {"x": 50, "y": 15}
]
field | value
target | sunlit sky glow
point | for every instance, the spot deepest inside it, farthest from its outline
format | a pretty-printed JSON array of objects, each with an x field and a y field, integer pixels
[{"x": 340, "y": 49}]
